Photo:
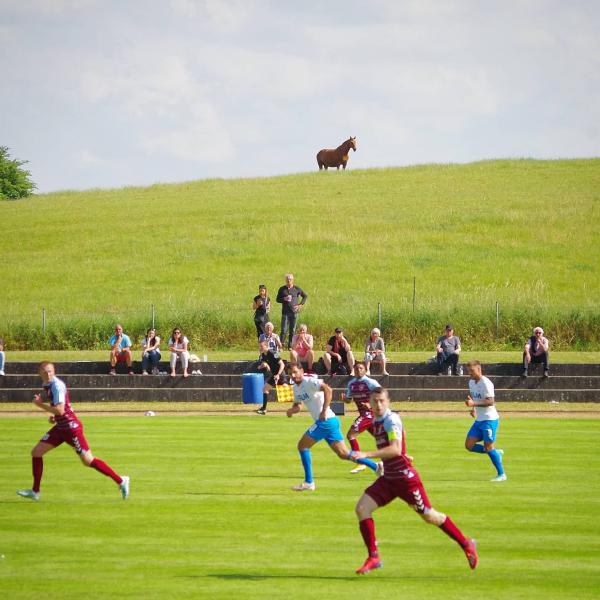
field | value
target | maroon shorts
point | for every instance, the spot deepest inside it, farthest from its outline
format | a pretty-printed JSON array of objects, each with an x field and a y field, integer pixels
[
  {"x": 122, "y": 357},
  {"x": 362, "y": 423},
  {"x": 72, "y": 436},
  {"x": 384, "y": 490}
]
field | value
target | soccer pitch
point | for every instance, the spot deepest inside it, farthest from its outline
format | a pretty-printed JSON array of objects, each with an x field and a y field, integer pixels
[{"x": 211, "y": 513}]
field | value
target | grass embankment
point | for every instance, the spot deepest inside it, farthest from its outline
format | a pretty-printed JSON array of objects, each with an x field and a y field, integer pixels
[
  {"x": 486, "y": 357},
  {"x": 211, "y": 514},
  {"x": 524, "y": 233}
]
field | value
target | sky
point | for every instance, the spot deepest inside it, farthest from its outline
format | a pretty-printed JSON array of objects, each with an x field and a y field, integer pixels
[{"x": 109, "y": 93}]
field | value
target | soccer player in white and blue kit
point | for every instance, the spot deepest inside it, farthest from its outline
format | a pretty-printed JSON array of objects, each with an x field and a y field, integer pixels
[
  {"x": 316, "y": 396},
  {"x": 481, "y": 400}
]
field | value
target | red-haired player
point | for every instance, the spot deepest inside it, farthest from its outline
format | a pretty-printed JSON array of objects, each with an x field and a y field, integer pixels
[{"x": 67, "y": 428}]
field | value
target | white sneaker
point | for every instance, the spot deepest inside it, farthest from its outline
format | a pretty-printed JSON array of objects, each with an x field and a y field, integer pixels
[
  {"x": 358, "y": 469},
  {"x": 502, "y": 477},
  {"x": 29, "y": 494},
  {"x": 2, "y": 373},
  {"x": 303, "y": 487},
  {"x": 124, "y": 487},
  {"x": 379, "y": 471}
]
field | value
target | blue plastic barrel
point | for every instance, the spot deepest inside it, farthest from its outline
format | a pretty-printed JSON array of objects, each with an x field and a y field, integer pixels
[{"x": 252, "y": 388}]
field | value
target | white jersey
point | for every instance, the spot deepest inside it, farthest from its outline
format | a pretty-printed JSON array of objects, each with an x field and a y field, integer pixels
[
  {"x": 309, "y": 392},
  {"x": 480, "y": 390}
]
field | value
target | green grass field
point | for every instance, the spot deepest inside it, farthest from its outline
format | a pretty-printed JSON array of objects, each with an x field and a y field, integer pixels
[
  {"x": 211, "y": 514},
  {"x": 521, "y": 232}
]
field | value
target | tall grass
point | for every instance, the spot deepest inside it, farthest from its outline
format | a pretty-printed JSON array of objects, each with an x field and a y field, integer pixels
[{"x": 522, "y": 233}]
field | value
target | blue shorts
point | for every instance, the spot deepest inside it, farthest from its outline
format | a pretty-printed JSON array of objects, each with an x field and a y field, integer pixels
[
  {"x": 328, "y": 430},
  {"x": 484, "y": 430}
]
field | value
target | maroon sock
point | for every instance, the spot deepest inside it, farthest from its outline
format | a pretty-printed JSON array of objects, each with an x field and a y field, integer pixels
[
  {"x": 367, "y": 530},
  {"x": 450, "y": 529},
  {"x": 354, "y": 444},
  {"x": 37, "y": 468},
  {"x": 103, "y": 468}
]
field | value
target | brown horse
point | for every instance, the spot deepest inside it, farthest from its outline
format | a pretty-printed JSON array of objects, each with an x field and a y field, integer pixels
[{"x": 335, "y": 158}]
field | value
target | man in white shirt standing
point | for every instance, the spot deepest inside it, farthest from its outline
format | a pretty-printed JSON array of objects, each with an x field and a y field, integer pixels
[
  {"x": 316, "y": 396},
  {"x": 482, "y": 402}
]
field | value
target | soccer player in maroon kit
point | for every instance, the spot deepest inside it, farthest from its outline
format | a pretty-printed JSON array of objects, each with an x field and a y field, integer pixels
[
  {"x": 400, "y": 480},
  {"x": 67, "y": 428},
  {"x": 359, "y": 389}
]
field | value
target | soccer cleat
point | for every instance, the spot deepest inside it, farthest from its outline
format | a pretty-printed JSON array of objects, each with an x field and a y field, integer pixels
[
  {"x": 112, "y": 372},
  {"x": 380, "y": 470},
  {"x": 502, "y": 477},
  {"x": 29, "y": 494},
  {"x": 470, "y": 551},
  {"x": 2, "y": 373},
  {"x": 124, "y": 487},
  {"x": 373, "y": 562},
  {"x": 303, "y": 487},
  {"x": 546, "y": 374},
  {"x": 358, "y": 468},
  {"x": 261, "y": 411}
]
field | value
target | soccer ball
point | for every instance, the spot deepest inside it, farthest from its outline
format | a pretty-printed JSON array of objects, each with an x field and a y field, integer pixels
[{"x": 149, "y": 413}]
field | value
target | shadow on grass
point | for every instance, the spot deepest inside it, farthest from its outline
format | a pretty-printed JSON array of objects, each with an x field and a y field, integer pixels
[
  {"x": 249, "y": 495},
  {"x": 255, "y": 577}
]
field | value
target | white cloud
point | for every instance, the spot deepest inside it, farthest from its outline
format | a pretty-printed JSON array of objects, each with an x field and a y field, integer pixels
[
  {"x": 202, "y": 139},
  {"x": 224, "y": 15}
]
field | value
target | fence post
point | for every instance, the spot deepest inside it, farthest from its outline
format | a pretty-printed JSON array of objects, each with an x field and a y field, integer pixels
[
  {"x": 153, "y": 316},
  {"x": 414, "y": 291},
  {"x": 43, "y": 320},
  {"x": 497, "y": 319},
  {"x": 379, "y": 315}
]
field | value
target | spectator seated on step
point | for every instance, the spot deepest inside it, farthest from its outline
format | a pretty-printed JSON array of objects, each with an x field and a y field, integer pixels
[
  {"x": 536, "y": 351},
  {"x": 272, "y": 339},
  {"x": 448, "y": 352},
  {"x": 339, "y": 358},
  {"x": 302, "y": 348},
  {"x": 178, "y": 345},
  {"x": 375, "y": 351},
  {"x": 2, "y": 357},
  {"x": 120, "y": 350},
  {"x": 150, "y": 352}
]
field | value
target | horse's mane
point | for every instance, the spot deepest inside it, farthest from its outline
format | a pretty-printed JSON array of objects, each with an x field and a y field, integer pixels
[{"x": 344, "y": 145}]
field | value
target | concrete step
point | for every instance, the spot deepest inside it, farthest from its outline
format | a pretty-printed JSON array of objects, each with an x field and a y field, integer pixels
[
  {"x": 220, "y": 394},
  {"x": 235, "y": 381},
  {"x": 239, "y": 367}
]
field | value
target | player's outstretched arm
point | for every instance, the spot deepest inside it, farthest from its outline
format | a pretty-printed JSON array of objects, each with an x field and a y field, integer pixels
[
  {"x": 328, "y": 394},
  {"x": 391, "y": 451},
  {"x": 57, "y": 410},
  {"x": 293, "y": 410}
]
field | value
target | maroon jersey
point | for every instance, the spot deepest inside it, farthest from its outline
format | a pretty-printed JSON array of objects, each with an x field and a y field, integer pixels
[
  {"x": 359, "y": 389},
  {"x": 57, "y": 393},
  {"x": 388, "y": 428}
]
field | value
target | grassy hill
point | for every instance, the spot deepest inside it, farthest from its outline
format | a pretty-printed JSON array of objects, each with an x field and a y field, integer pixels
[{"x": 524, "y": 233}]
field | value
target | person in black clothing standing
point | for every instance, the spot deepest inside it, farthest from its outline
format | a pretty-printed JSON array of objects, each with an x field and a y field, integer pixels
[
  {"x": 261, "y": 307},
  {"x": 289, "y": 297},
  {"x": 273, "y": 368}
]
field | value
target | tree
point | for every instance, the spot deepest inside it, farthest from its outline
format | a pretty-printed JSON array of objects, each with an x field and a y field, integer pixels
[{"x": 15, "y": 181}]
